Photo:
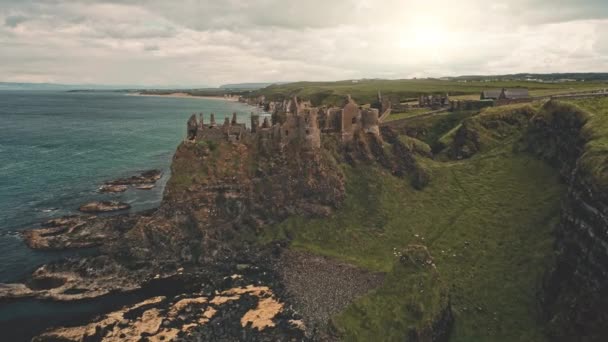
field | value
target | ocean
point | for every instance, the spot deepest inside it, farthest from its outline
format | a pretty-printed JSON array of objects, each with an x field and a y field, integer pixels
[{"x": 56, "y": 148}]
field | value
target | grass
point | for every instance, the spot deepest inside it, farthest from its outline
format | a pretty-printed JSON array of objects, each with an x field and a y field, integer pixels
[
  {"x": 595, "y": 132},
  {"x": 408, "y": 114},
  {"x": 206, "y": 161},
  {"x": 487, "y": 221},
  {"x": 433, "y": 128},
  {"x": 491, "y": 127},
  {"x": 416, "y": 312},
  {"x": 365, "y": 91}
]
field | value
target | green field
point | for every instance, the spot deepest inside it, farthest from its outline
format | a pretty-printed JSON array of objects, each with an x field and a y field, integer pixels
[
  {"x": 487, "y": 222},
  {"x": 365, "y": 91},
  {"x": 595, "y": 132},
  {"x": 410, "y": 113}
]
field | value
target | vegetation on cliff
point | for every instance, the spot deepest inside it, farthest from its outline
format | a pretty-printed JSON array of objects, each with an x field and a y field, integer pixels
[
  {"x": 487, "y": 221},
  {"x": 573, "y": 136},
  {"x": 484, "y": 131},
  {"x": 595, "y": 132},
  {"x": 461, "y": 214}
]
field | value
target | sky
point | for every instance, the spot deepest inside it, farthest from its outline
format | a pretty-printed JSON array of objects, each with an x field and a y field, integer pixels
[{"x": 214, "y": 42}]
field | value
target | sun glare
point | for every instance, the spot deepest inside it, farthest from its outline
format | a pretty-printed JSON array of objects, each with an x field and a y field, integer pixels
[
  {"x": 423, "y": 37},
  {"x": 427, "y": 32}
]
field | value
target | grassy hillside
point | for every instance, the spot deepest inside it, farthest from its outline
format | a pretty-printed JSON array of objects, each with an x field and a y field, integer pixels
[
  {"x": 408, "y": 114},
  {"x": 595, "y": 131},
  {"x": 365, "y": 91},
  {"x": 487, "y": 223}
]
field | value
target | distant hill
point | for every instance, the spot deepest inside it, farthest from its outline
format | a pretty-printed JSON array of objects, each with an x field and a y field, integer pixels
[
  {"x": 67, "y": 87},
  {"x": 249, "y": 86},
  {"x": 366, "y": 91},
  {"x": 555, "y": 77},
  {"x": 32, "y": 86}
]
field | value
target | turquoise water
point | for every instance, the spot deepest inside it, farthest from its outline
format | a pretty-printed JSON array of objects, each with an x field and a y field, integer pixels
[{"x": 57, "y": 147}]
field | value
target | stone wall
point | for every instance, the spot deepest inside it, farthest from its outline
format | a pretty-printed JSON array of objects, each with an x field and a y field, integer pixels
[{"x": 505, "y": 102}]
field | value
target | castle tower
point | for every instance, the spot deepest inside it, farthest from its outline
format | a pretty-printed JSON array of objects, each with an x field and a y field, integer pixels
[
  {"x": 293, "y": 106},
  {"x": 212, "y": 121},
  {"x": 201, "y": 121},
  {"x": 255, "y": 123},
  {"x": 233, "y": 123},
  {"x": 350, "y": 119},
  {"x": 369, "y": 121},
  {"x": 226, "y": 125},
  {"x": 308, "y": 128},
  {"x": 192, "y": 128}
]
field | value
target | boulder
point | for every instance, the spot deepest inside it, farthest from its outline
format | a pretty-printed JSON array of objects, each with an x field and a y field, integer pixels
[
  {"x": 108, "y": 188},
  {"x": 103, "y": 207},
  {"x": 145, "y": 177}
]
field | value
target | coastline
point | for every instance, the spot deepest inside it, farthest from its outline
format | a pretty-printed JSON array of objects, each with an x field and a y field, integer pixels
[{"x": 188, "y": 96}]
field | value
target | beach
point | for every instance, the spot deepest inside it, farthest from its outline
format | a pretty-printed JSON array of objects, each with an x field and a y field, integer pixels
[{"x": 188, "y": 96}]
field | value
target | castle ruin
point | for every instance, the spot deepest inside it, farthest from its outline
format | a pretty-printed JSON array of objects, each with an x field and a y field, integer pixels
[
  {"x": 433, "y": 101},
  {"x": 293, "y": 121}
]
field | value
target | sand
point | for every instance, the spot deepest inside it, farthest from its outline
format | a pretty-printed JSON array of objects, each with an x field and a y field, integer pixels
[{"x": 186, "y": 95}]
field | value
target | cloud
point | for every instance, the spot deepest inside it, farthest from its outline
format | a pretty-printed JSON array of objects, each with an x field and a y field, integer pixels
[
  {"x": 14, "y": 20},
  {"x": 214, "y": 42},
  {"x": 151, "y": 48}
]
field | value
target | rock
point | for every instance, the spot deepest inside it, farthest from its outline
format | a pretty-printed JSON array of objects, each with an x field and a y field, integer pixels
[
  {"x": 144, "y": 178},
  {"x": 76, "y": 232},
  {"x": 145, "y": 186},
  {"x": 108, "y": 188},
  {"x": 307, "y": 277},
  {"x": 75, "y": 280},
  {"x": 242, "y": 267},
  {"x": 212, "y": 313},
  {"x": 104, "y": 207}
]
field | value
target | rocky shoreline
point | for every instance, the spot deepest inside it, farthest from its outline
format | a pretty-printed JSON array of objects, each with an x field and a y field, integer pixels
[
  {"x": 146, "y": 180},
  {"x": 223, "y": 302},
  {"x": 203, "y": 236},
  {"x": 103, "y": 207}
]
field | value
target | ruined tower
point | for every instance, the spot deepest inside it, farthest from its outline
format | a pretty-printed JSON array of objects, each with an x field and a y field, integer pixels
[
  {"x": 350, "y": 119},
  {"x": 369, "y": 121},
  {"x": 308, "y": 128},
  {"x": 192, "y": 128},
  {"x": 255, "y": 123},
  {"x": 212, "y": 121},
  {"x": 293, "y": 106},
  {"x": 233, "y": 122}
]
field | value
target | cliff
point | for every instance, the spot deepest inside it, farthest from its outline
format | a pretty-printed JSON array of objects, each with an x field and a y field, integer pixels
[
  {"x": 572, "y": 137},
  {"x": 455, "y": 236},
  {"x": 223, "y": 193}
]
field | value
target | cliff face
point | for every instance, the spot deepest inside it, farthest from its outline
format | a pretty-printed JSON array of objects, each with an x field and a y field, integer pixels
[
  {"x": 574, "y": 295},
  {"x": 221, "y": 194}
]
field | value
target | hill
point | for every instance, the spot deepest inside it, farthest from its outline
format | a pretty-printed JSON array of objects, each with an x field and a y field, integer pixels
[
  {"x": 365, "y": 91},
  {"x": 486, "y": 222},
  {"x": 249, "y": 86},
  {"x": 465, "y": 226}
]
